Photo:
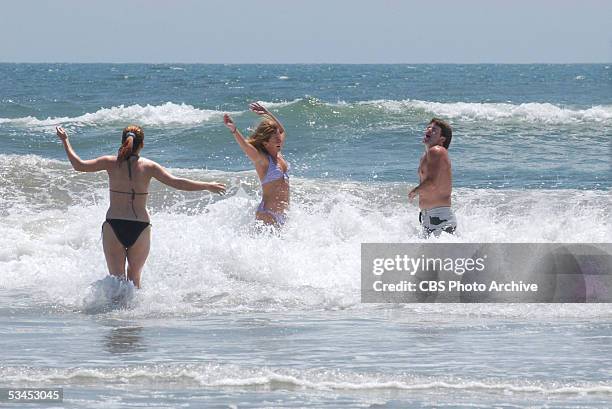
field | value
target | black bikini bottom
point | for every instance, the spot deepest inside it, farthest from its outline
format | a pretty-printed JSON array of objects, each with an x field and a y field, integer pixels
[{"x": 127, "y": 231}]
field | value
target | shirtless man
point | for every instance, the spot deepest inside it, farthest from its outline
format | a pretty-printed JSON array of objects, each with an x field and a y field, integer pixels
[{"x": 436, "y": 181}]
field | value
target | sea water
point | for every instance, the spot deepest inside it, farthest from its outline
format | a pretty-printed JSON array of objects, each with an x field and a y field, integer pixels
[{"x": 229, "y": 317}]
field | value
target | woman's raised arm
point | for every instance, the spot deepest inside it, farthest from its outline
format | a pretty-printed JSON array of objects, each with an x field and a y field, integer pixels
[
  {"x": 80, "y": 165},
  {"x": 246, "y": 147},
  {"x": 167, "y": 178},
  {"x": 259, "y": 109}
]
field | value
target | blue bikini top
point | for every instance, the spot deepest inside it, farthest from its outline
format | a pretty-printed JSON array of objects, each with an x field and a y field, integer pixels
[{"x": 275, "y": 172}]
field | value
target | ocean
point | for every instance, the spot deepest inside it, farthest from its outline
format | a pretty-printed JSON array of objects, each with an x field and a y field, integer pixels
[{"x": 228, "y": 317}]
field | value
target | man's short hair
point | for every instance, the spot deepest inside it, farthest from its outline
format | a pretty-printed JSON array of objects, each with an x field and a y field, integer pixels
[{"x": 447, "y": 131}]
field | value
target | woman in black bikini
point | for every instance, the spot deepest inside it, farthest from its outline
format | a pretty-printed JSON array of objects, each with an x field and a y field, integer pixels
[{"x": 125, "y": 233}]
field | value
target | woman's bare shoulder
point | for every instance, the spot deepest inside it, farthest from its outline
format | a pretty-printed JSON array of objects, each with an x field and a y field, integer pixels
[
  {"x": 148, "y": 165},
  {"x": 146, "y": 162}
]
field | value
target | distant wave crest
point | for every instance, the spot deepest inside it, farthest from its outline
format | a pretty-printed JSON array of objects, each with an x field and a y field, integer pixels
[
  {"x": 156, "y": 115},
  {"x": 173, "y": 114},
  {"x": 471, "y": 111}
]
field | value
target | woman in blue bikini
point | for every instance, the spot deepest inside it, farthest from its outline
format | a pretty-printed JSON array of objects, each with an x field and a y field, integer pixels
[
  {"x": 126, "y": 233},
  {"x": 264, "y": 149}
]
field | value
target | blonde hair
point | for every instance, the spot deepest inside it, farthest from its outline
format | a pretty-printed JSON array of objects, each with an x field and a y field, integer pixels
[{"x": 266, "y": 129}]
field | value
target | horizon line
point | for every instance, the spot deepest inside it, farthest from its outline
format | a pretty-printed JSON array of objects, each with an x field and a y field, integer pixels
[{"x": 304, "y": 63}]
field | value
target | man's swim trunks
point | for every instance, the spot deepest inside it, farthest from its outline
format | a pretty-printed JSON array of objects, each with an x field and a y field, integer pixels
[{"x": 437, "y": 220}]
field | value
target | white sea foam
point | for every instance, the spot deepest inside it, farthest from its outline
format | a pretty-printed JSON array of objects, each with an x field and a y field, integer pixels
[
  {"x": 107, "y": 294},
  {"x": 227, "y": 375},
  {"x": 280, "y": 104},
  {"x": 167, "y": 114},
  {"x": 155, "y": 115},
  {"x": 206, "y": 257},
  {"x": 172, "y": 114},
  {"x": 528, "y": 112}
]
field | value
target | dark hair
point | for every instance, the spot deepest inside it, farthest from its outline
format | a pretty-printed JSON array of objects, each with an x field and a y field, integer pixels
[
  {"x": 131, "y": 139},
  {"x": 447, "y": 131}
]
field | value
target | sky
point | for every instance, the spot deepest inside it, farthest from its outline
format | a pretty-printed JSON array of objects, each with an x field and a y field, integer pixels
[{"x": 313, "y": 31}]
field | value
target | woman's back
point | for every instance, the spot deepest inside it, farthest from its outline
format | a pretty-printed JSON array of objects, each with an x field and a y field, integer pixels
[{"x": 129, "y": 183}]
